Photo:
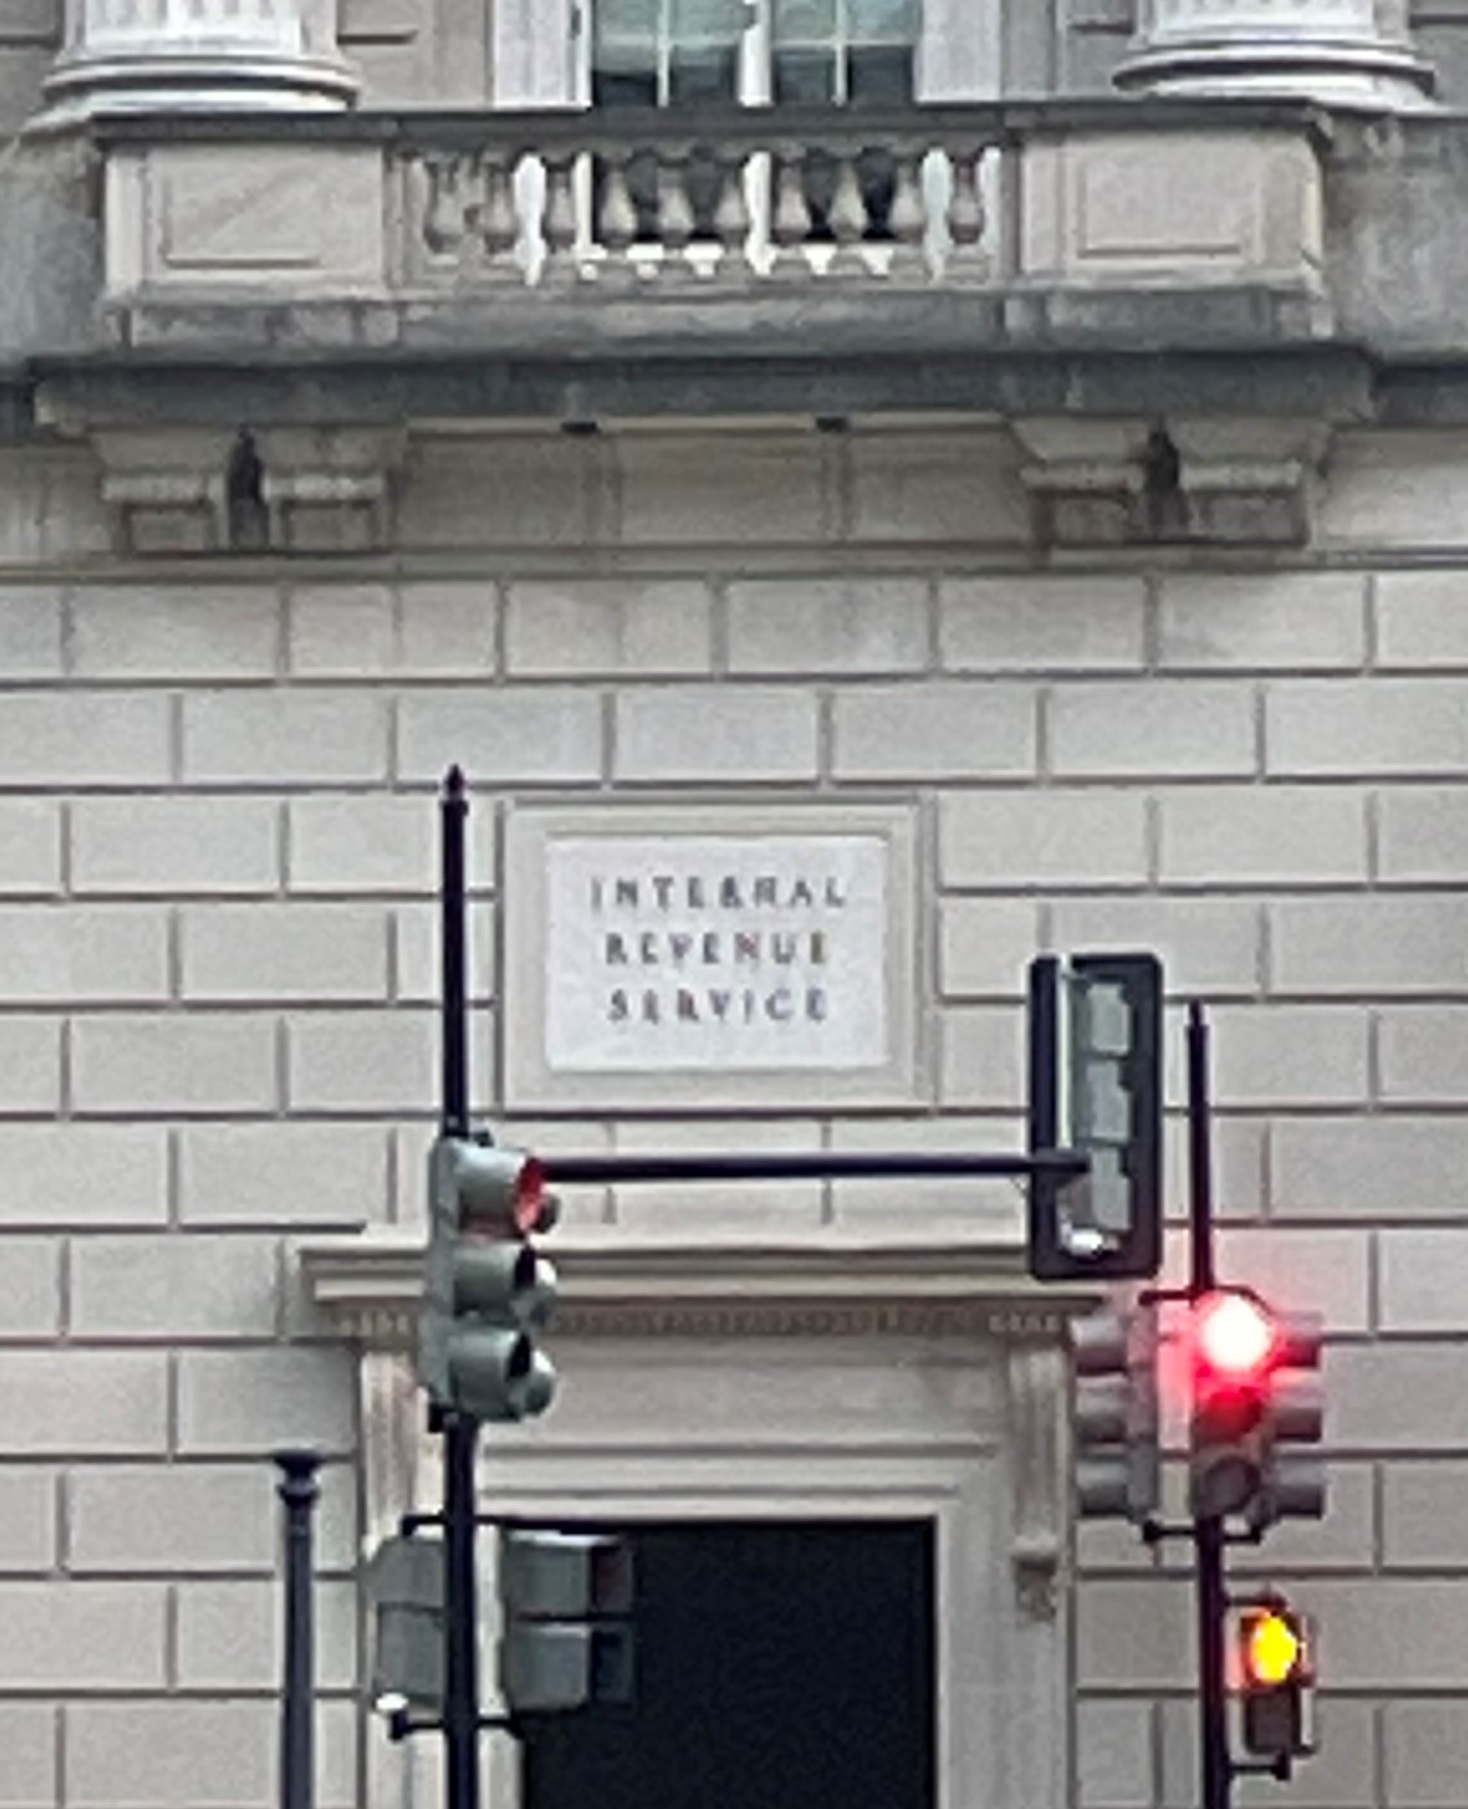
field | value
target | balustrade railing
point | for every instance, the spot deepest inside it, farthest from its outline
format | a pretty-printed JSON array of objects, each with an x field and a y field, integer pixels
[{"x": 723, "y": 199}]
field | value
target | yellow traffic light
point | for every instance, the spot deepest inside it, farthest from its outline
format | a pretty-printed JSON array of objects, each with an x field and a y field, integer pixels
[
  {"x": 1277, "y": 1682},
  {"x": 1273, "y": 1649}
]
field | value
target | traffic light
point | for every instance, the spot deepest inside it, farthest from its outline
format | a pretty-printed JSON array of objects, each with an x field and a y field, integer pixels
[
  {"x": 1096, "y": 1089},
  {"x": 1276, "y": 1681},
  {"x": 567, "y": 1638},
  {"x": 1253, "y": 1399},
  {"x": 1115, "y": 1419},
  {"x": 405, "y": 1583},
  {"x": 487, "y": 1289},
  {"x": 1233, "y": 1341},
  {"x": 1294, "y": 1481}
]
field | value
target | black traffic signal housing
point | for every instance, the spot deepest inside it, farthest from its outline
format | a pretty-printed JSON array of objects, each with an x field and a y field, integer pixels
[
  {"x": 1275, "y": 1664},
  {"x": 1115, "y": 1415},
  {"x": 1294, "y": 1480},
  {"x": 567, "y": 1638},
  {"x": 1254, "y": 1399},
  {"x": 487, "y": 1290},
  {"x": 1095, "y": 1088},
  {"x": 1231, "y": 1348},
  {"x": 405, "y": 1587}
]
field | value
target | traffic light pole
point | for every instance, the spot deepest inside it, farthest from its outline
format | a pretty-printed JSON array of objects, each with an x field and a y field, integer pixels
[
  {"x": 461, "y": 1721},
  {"x": 461, "y": 1618},
  {"x": 1208, "y": 1530}
]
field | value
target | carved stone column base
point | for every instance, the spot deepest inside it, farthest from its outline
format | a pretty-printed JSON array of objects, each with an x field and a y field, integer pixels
[
  {"x": 84, "y": 85},
  {"x": 1341, "y": 52},
  {"x": 171, "y": 55}
]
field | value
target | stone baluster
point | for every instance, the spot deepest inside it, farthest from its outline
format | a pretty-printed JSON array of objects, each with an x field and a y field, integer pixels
[
  {"x": 790, "y": 226},
  {"x": 967, "y": 256},
  {"x": 1344, "y": 52},
  {"x": 616, "y": 224},
  {"x": 558, "y": 220},
  {"x": 848, "y": 217},
  {"x": 909, "y": 216},
  {"x": 499, "y": 224},
  {"x": 731, "y": 219},
  {"x": 675, "y": 214},
  {"x": 443, "y": 212},
  {"x": 166, "y": 55}
]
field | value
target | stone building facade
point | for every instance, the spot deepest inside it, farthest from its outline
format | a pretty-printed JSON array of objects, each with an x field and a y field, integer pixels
[{"x": 1079, "y": 499}]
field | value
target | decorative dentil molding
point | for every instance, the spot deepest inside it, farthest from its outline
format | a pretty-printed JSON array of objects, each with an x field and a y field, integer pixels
[
  {"x": 369, "y": 1287},
  {"x": 1226, "y": 481}
]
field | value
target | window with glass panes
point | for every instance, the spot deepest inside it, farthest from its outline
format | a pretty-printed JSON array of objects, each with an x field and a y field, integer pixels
[
  {"x": 667, "y": 53},
  {"x": 688, "y": 53},
  {"x": 852, "y": 52}
]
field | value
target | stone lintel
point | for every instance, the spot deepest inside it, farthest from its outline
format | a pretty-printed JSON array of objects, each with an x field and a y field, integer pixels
[{"x": 369, "y": 1286}]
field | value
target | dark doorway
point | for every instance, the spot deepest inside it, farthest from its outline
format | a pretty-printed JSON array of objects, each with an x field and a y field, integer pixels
[{"x": 780, "y": 1666}]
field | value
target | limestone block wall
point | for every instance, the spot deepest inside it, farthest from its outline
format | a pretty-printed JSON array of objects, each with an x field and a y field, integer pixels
[
  {"x": 217, "y": 974},
  {"x": 30, "y": 36}
]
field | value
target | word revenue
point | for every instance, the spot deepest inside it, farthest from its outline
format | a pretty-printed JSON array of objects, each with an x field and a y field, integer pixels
[{"x": 715, "y": 948}]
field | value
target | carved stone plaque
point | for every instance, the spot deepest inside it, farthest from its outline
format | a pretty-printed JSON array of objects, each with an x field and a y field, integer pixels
[{"x": 710, "y": 957}]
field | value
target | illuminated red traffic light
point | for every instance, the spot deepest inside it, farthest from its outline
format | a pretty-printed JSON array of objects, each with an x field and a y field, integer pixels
[
  {"x": 530, "y": 1197},
  {"x": 1234, "y": 1335},
  {"x": 1234, "y": 1348}
]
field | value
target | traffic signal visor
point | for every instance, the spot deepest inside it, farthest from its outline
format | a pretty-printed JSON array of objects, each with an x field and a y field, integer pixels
[{"x": 499, "y": 1192}]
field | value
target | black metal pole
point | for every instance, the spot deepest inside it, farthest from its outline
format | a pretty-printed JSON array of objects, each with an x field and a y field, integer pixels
[
  {"x": 453, "y": 947},
  {"x": 298, "y": 1490},
  {"x": 1208, "y": 1538},
  {"x": 801, "y": 1165},
  {"x": 461, "y": 1627}
]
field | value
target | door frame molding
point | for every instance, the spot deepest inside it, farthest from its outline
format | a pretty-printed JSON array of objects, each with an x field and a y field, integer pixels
[{"x": 834, "y": 1378}]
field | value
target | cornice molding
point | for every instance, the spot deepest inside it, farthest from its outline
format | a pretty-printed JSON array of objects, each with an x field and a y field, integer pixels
[{"x": 368, "y": 1286}]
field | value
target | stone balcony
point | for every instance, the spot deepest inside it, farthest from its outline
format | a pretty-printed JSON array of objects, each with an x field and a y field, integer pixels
[
  {"x": 1165, "y": 298},
  {"x": 941, "y": 229}
]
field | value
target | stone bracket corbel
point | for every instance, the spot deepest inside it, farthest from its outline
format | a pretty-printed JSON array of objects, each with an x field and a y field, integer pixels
[
  {"x": 285, "y": 489},
  {"x": 1194, "y": 481},
  {"x": 328, "y": 489},
  {"x": 166, "y": 489},
  {"x": 1036, "y": 1379}
]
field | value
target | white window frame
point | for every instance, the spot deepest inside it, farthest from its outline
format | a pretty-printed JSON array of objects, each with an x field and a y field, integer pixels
[{"x": 542, "y": 52}]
